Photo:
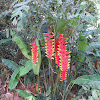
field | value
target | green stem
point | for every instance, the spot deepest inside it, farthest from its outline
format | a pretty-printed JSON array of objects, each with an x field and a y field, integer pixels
[
  {"x": 49, "y": 72},
  {"x": 51, "y": 75},
  {"x": 61, "y": 86},
  {"x": 68, "y": 90},
  {"x": 57, "y": 79},
  {"x": 44, "y": 78},
  {"x": 70, "y": 68},
  {"x": 38, "y": 87}
]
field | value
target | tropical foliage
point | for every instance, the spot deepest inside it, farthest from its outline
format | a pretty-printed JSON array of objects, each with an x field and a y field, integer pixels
[{"x": 57, "y": 46}]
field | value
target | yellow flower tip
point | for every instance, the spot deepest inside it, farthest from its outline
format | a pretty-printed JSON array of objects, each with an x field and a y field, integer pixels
[
  {"x": 69, "y": 51},
  {"x": 52, "y": 58}
]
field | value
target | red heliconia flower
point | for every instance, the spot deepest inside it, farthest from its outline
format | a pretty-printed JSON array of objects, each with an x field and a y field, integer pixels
[
  {"x": 38, "y": 88},
  {"x": 63, "y": 75},
  {"x": 64, "y": 56},
  {"x": 49, "y": 44},
  {"x": 34, "y": 53},
  {"x": 95, "y": 64},
  {"x": 88, "y": 69},
  {"x": 56, "y": 52}
]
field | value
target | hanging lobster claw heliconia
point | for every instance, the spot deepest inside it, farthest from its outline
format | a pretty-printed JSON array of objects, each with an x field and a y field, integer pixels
[{"x": 58, "y": 46}]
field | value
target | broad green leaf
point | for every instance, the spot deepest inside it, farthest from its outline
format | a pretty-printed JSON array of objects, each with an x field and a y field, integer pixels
[
  {"x": 92, "y": 80},
  {"x": 94, "y": 95},
  {"x": 20, "y": 44},
  {"x": 82, "y": 46},
  {"x": 4, "y": 40},
  {"x": 26, "y": 95},
  {"x": 93, "y": 46},
  {"x": 61, "y": 24},
  {"x": 10, "y": 64},
  {"x": 83, "y": 4},
  {"x": 90, "y": 18},
  {"x": 82, "y": 43},
  {"x": 27, "y": 68},
  {"x": 36, "y": 67},
  {"x": 73, "y": 98},
  {"x": 73, "y": 22},
  {"x": 80, "y": 58},
  {"x": 16, "y": 12},
  {"x": 14, "y": 21},
  {"x": 20, "y": 25},
  {"x": 14, "y": 79}
]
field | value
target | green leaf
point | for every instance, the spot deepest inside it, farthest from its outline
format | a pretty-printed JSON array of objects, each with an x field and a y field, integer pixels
[
  {"x": 82, "y": 46},
  {"x": 4, "y": 40},
  {"x": 22, "y": 3},
  {"x": 90, "y": 18},
  {"x": 20, "y": 25},
  {"x": 90, "y": 98},
  {"x": 92, "y": 80},
  {"x": 99, "y": 38},
  {"x": 82, "y": 43},
  {"x": 61, "y": 24},
  {"x": 93, "y": 46},
  {"x": 27, "y": 68},
  {"x": 73, "y": 98},
  {"x": 26, "y": 95},
  {"x": 83, "y": 4},
  {"x": 14, "y": 21},
  {"x": 80, "y": 58},
  {"x": 48, "y": 98},
  {"x": 14, "y": 79},
  {"x": 30, "y": 98},
  {"x": 10, "y": 64},
  {"x": 36, "y": 67},
  {"x": 94, "y": 95},
  {"x": 29, "y": 77},
  {"x": 20, "y": 44},
  {"x": 98, "y": 93},
  {"x": 73, "y": 22},
  {"x": 48, "y": 92}
]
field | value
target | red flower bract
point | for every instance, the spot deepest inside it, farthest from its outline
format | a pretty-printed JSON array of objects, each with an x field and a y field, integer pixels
[
  {"x": 95, "y": 64},
  {"x": 61, "y": 54},
  {"x": 49, "y": 44},
  {"x": 56, "y": 52},
  {"x": 63, "y": 75},
  {"x": 62, "y": 58},
  {"x": 34, "y": 53}
]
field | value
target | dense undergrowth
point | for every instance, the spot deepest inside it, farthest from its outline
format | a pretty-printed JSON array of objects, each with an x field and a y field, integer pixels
[{"x": 52, "y": 50}]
